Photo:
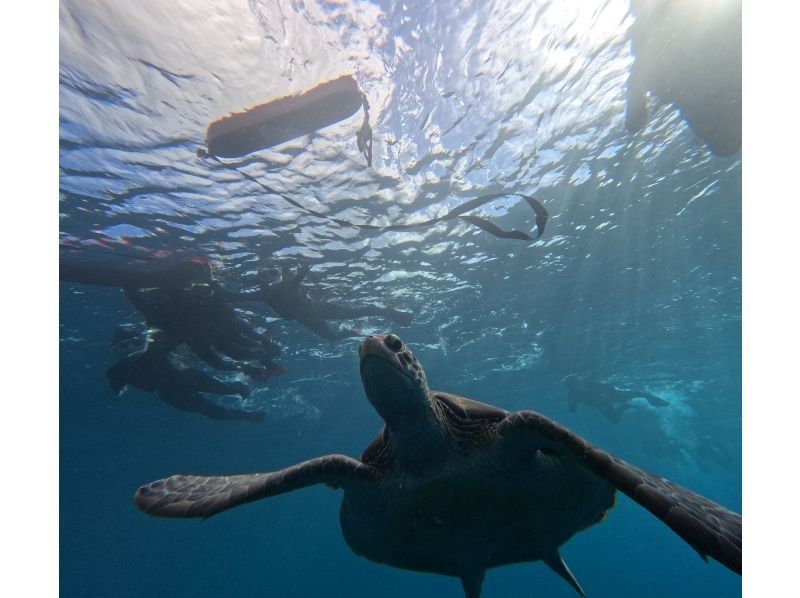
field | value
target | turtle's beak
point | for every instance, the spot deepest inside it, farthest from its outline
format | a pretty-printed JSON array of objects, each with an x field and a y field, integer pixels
[
  {"x": 375, "y": 345},
  {"x": 389, "y": 350},
  {"x": 394, "y": 382}
]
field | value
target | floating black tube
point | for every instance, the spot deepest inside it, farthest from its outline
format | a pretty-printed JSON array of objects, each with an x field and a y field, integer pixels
[{"x": 284, "y": 119}]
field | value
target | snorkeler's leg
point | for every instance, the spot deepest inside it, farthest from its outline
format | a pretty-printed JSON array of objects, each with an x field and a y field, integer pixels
[
  {"x": 612, "y": 412},
  {"x": 653, "y": 399},
  {"x": 199, "y": 381},
  {"x": 232, "y": 324},
  {"x": 238, "y": 352},
  {"x": 323, "y": 329},
  {"x": 208, "y": 354},
  {"x": 266, "y": 370},
  {"x": 629, "y": 395},
  {"x": 263, "y": 372},
  {"x": 625, "y": 396},
  {"x": 403, "y": 318},
  {"x": 331, "y": 311},
  {"x": 265, "y": 349},
  {"x": 197, "y": 403}
]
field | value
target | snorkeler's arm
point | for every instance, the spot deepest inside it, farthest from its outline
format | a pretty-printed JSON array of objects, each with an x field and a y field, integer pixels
[
  {"x": 135, "y": 274},
  {"x": 97, "y": 274},
  {"x": 159, "y": 344},
  {"x": 297, "y": 278},
  {"x": 245, "y": 296}
]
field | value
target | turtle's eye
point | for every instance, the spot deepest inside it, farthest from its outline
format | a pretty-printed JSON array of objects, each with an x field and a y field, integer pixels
[{"x": 393, "y": 342}]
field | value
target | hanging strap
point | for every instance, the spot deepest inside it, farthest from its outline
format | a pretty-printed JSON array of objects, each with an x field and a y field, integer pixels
[
  {"x": 458, "y": 212},
  {"x": 364, "y": 135}
]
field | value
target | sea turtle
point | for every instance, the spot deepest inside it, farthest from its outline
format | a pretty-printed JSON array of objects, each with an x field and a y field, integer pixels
[{"x": 456, "y": 487}]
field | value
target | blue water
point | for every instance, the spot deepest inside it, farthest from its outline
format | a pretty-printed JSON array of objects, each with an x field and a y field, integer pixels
[{"x": 636, "y": 281}]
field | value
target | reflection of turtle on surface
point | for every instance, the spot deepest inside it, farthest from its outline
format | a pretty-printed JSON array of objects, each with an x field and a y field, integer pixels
[
  {"x": 609, "y": 400},
  {"x": 456, "y": 487}
]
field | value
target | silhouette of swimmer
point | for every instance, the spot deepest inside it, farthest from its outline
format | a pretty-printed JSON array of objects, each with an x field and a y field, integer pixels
[
  {"x": 202, "y": 316},
  {"x": 689, "y": 53},
  {"x": 183, "y": 299},
  {"x": 290, "y": 300},
  {"x": 138, "y": 273},
  {"x": 609, "y": 400},
  {"x": 153, "y": 370}
]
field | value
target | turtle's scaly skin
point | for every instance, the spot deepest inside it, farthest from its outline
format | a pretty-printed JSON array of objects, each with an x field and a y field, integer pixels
[{"x": 454, "y": 486}]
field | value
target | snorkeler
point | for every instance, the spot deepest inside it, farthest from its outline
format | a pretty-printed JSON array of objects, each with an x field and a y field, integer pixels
[
  {"x": 183, "y": 299},
  {"x": 609, "y": 400},
  {"x": 291, "y": 301},
  {"x": 153, "y": 370},
  {"x": 139, "y": 274},
  {"x": 201, "y": 315}
]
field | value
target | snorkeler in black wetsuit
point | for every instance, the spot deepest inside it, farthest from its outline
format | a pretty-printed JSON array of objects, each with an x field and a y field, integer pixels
[
  {"x": 609, "y": 400},
  {"x": 201, "y": 315},
  {"x": 183, "y": 299},
  {"x": 139, "y": 274},
  {"x": 689, "y": 54},
  {"x": 289, "y": 300},
  {"x": 153, "y": 370}
]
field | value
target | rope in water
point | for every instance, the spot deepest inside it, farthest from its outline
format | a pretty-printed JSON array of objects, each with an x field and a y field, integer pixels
[{"x": 459, "y": 212}]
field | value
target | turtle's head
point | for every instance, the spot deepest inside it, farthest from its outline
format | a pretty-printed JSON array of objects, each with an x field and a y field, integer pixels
[{"x": 393, "y": 379}]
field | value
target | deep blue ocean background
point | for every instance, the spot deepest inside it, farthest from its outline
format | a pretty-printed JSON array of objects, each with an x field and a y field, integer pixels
[{"x": 637, "y": 280}]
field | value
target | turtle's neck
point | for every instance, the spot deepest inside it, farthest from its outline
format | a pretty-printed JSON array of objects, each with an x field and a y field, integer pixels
[
  {"x": 398, "y": 391},
  {"x": 416, "y": 437}
]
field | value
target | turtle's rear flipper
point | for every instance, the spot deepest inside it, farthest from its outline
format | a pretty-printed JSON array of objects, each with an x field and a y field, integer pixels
[
  {"x": 556, "y": 562},
  {"x": 200, "y": 496},
  {"x": 472, "y": 584},
  {"x": 712, "y": 530}
]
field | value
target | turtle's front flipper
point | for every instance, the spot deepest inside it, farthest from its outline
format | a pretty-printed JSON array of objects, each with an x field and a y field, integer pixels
[
  {"x": 200, "y": 496},
  {"x": 709, "y": 528}
]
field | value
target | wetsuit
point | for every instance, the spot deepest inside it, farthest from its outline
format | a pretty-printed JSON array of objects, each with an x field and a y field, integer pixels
[
  {"x": 201, "y": 316},
  {"x": 182, "y": 299},
  {"x": 153, "y": 370}
]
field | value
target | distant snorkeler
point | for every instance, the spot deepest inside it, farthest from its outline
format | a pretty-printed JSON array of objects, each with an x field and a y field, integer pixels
[
  {"x": 689, "y": 53},
  {"x": 153, "y": 370},
  {"x": 287, "y": 297},
  {"x": 606, "y": 398}
]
